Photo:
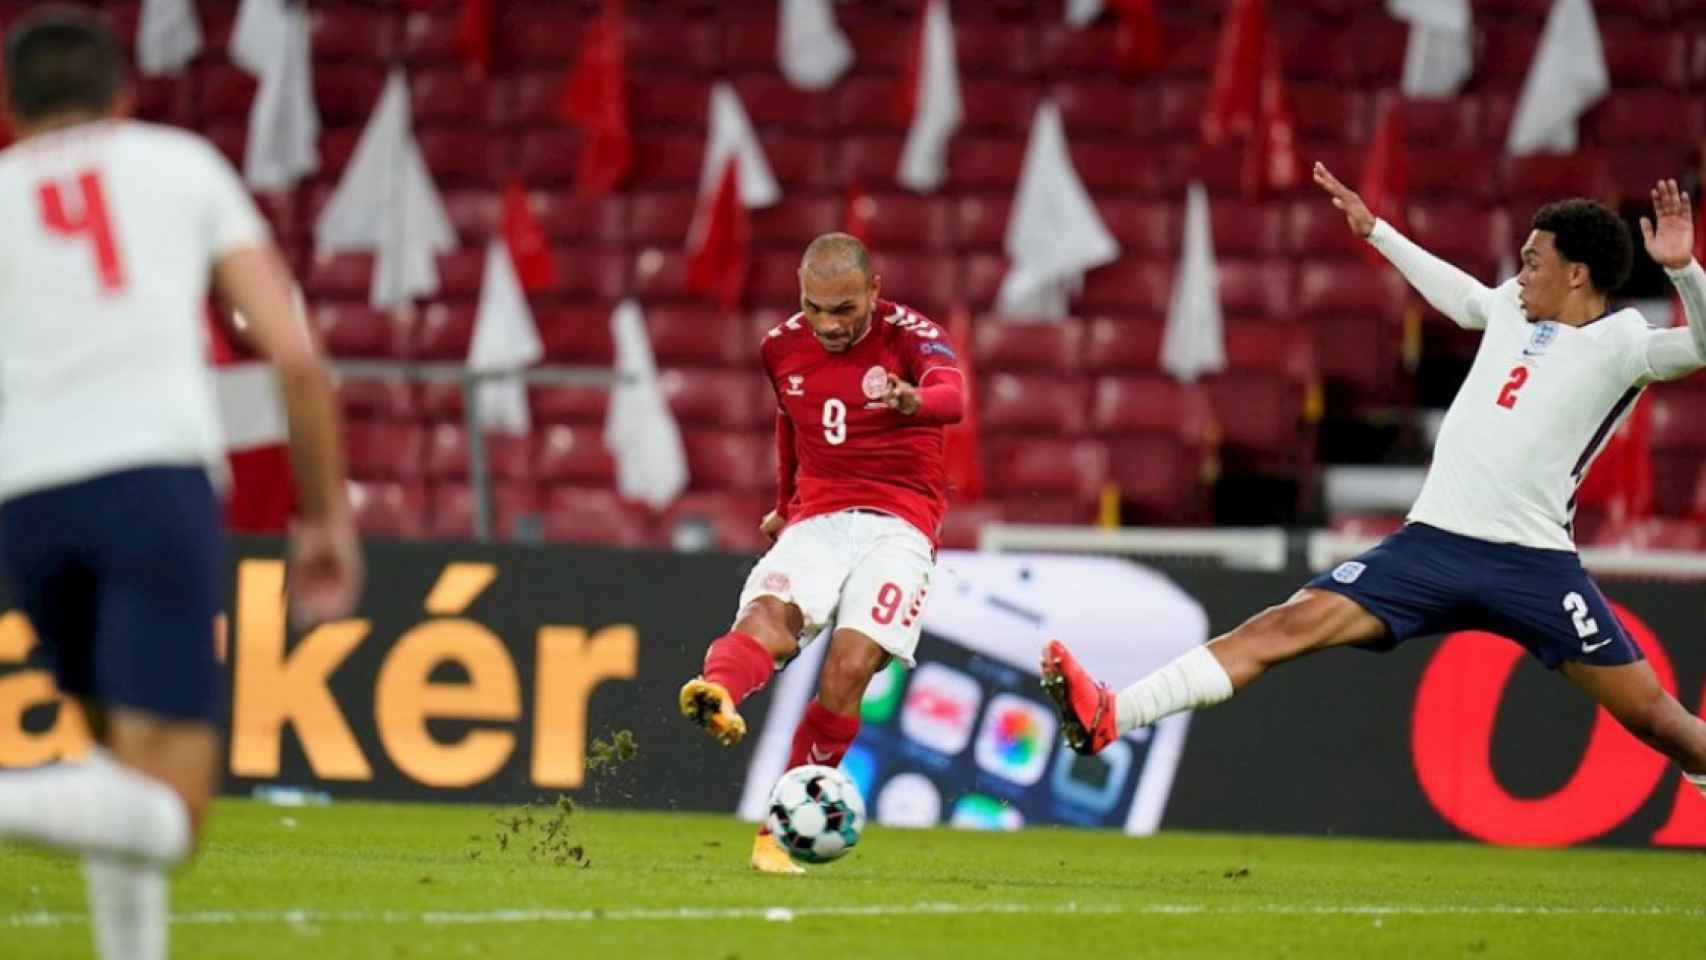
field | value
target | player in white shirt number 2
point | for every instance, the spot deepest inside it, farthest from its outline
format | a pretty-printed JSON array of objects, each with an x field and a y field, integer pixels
[
  {"x": 110, "y": 531},
  {"x": 1489, "y": 543}
]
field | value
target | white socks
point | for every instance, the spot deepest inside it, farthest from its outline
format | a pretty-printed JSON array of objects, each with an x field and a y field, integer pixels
[
  {"x": 1195, "y": 679},
  {"x": 96, "y": 807},
  {"x": 127, "y": 908}
]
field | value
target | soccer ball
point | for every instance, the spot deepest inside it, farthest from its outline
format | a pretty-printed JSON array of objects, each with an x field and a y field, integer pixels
[{"x": 817, "y": 813}]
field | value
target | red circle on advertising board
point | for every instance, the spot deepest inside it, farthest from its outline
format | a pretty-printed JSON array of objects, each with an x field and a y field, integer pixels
[{"x": 1451, "y": 739}]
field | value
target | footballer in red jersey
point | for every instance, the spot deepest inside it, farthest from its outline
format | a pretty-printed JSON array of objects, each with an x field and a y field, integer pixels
[{"x": 864, "y": 388}]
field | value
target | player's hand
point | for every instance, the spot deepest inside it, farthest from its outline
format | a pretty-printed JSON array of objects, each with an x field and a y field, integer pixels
[
  {"x": 772, "y": 526},
  {"x": 325, "y": 571},
  {"x": 1671, "y": 243},
  {"x": 1356, "y": 212},
  {"x": 901, "y": 396}
]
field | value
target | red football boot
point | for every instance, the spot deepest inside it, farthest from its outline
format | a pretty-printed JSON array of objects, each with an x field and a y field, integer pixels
[{"x": 1086, "y": 707}]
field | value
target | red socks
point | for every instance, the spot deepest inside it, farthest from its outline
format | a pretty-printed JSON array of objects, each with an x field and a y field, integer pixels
[
  {"x": 822, "y": 737},
  {"x": 740, "y": 663}
]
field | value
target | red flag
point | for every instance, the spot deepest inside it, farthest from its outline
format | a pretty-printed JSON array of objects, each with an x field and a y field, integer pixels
[
  {"x": 963, "y": 450},
  {"x": 262, "y": 494},
  {"x": 474, "y": 33},
  {"x": 1137, "y": 38},
  {"x": 1620, "y": 482},
  {"x": 1235, "y": 90},
  {"x": 1386, "y": 176},
  {"x": 525, "y": 238},
  {"x": 596, "y": 99},
  {"x": 717, "y": 249},
  {"x": 1270, "y": 160},
  {"x": 861, "y": 211}
]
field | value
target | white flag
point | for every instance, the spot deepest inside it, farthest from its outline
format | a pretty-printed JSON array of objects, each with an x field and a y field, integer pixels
[
  {"x": 937, "y": 108},
  {"x": 1440, "y": 53},
  {"x": 270, "y": 40},
  {"x": 505, "y": 340},
  {"x": 386, "y": 202},
  {"x": 1082, "y": 13},
  {"x": 731, "y": 133},
  {"x": 639, "y": 430},
  {"x": 1054, "y": 234},
  {"x": 810, "y": 47},
  {"x": 168, "y": 36},
  {"x": 1194, "y": 341},
  {"x": 1567, "y": 77}
]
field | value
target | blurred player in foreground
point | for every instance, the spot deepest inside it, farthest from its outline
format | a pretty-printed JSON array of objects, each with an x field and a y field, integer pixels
[
  {"x": 109, "y": 524},
  {"x": 1489, "y": 544},
  {"x": 864, "y": 387}
]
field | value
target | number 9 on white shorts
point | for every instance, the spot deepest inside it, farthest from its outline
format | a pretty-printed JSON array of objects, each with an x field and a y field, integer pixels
[{"x": 862, "y": 571}]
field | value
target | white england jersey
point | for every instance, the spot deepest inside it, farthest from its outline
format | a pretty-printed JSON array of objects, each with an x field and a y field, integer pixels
[
  {"x": 1539, "y": 403},
  {"x": 109, "y": 232}
]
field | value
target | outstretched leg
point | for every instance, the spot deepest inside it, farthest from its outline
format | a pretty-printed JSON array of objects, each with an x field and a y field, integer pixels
[
  {"x": 738, "y": 664},
  {"x": 1632, "y": 694},
  {"x": 1092, "y": 716}
]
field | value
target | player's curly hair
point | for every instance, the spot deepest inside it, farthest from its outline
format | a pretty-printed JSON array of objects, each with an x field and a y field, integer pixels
[
  {"x": 1592, "y": 234},
  {"x": 61, "y": 59}
]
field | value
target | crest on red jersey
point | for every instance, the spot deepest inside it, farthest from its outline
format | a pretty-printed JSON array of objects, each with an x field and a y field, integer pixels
[
  {"x": 876, "y": 383},
  {"x": 796, "y": 385}
]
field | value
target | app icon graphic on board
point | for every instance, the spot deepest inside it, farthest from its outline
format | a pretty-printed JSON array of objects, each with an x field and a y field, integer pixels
[
  {"x": 941, "y": 708},
  {"x": 1093, "y": 782},
  {"x": 909, "y": 800},
  {"x": 976, "y": 811},
  {"x": 861, "y": 765},
  {"x": 1015, "y": 739},
  {"x": 883, "y": 694}
]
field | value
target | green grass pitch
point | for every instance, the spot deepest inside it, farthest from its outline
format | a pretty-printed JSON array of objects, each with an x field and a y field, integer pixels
[{"x": 360, "y": 880}]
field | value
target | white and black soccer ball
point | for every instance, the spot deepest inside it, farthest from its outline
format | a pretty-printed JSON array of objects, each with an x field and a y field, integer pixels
[{"x": 817, "y": 813}]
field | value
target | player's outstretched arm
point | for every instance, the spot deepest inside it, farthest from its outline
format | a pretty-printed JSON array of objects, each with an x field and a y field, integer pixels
[
  {"x": 1670, "y": 242},
  {"x": 1448, "y": 289},
  {"x": 325, "y": 563}
]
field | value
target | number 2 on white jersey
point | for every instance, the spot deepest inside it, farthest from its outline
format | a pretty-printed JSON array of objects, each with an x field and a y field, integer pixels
[
  {"x": 834, "y": 422},
  {"x": 1518, "y": 377},
  {"x": 91, "y": 220},
  {"x": 1586, "y": 626}
]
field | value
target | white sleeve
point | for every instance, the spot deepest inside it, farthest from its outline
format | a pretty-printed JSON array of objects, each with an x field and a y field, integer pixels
[
  {"x": 231, "y": 220},
  {"x": 1678, "y": 351},
  {"x": 1449, "y": 290}
]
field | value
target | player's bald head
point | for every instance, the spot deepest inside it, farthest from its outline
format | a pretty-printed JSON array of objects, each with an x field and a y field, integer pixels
[{"x": 833, "y": 254}]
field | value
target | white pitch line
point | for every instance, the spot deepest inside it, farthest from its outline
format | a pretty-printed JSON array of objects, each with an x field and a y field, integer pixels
[{"x": 784, "y": 914}]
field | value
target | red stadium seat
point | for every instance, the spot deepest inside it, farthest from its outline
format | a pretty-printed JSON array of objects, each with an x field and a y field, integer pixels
[
  {"x": 904, "y": 220},
  {"x": 981, "y": 220},
  {"x": 1098, "y": 106},
  {"x": 998, "y": 107},
  {"x": 452, "y": 514},
  {"x": 796, "y": 220},
  {"x": 1261, "y": 420},
  {"x": 1116, "y": 165},
  {"x": 927, "y": 282},
  {"x": 1151, "y": 403},
  {"x": 1256, "y": 288},
  {"x": 353, "y": 329},
  {"x": 475, "y": 214},
  {"x": 668, "y": 40},
  {"x": 565, "y": 454},
  {"x": 377, "y": 398},
  {"x": 772, "y": 102},
  {"x": 1180, "y": 109},
  {"x": 564, "y": 216},
  {"x": 1244, "y": 228},
  {"x": 598, "y": 273},
  {"x": 382, "y": 450},
  {"x": 1283, "y": 348},
  {"x": 717, "y": 398},
  {"x": 576, "y": 336},
  {"x": 446, "y": 330},
  {"x": 461, "y": 271},
  {"x": 1036, "y": 403},
  {"x": 1326, "y": 288},
  {"x": 578, "y": 406},
  {"x": 509, "y": 456},
  {"x": 343, "y": 276},
  {"x": 749, "y": 42},
  {"x": 1459, "y": 173},
  {"x": 547, "y": 157},
  {"x": 441, "y": 400},
  {"x": 1645, "y": 117},
  {"x": 775, "y": 278},
  {"x": 1045, "y": 467},
  {"x": 1678, "y": 446},
  {"x": 1639, "y": 56},
  {"x": 446, "y": 452},
  {"x": 448, "y": 96},
  {"x": 542, "y": 36},
  {"x": 981, "y": 278},
  {"x": 801, "y": 162},
  {"x": 1019, "y": 344},
  {"x": 1544, "y": 177},
  {"x": 1161, "y": 479},
  {"x": 598, "y": 516},
  {"x": 226, "y": 92},
  {"x": 1446, "y": 122},
  {"x": 351, "y": 32},
  {"x": 388, "y": 510},
  {"x": 460, "y": 156},
  {"x": 993, "y": 46},
  {"x": 660, "y": 272},
  {"x": 1315, "y": 229},
  {"x": 1120, "y": 344},
  {"x": 1128, "y": 287},
  {"x": 871, "y": 103},
  {"x": 739, "y": 462},
  {"x": 869, "y": 158},
  {"x": 347, "y": 93},
  {"x": 429, "y": 36},
  {"x": 730, "y": 520},
  {"x": 700, "y": 335},
  {"x": 965, "y": 520},
  {"x": 1470, "y": 237},
  {"x": 985, "y": 161},
  {"x": 670, "y": 101},
  {"x": 1144, "y": 228},
  {"x": 665, "y": 160}
]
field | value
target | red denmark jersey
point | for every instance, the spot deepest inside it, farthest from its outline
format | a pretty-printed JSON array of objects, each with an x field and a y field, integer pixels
[{"x": 851, "y": 449}]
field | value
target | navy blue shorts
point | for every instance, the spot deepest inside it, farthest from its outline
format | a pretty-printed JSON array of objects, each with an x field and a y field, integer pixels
[
  {"x": 122, "y": 576},
  {"x": 1423, "y": 581}
]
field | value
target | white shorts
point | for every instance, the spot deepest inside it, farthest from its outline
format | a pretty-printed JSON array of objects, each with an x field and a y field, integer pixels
[{"x": 862, "y": 571}]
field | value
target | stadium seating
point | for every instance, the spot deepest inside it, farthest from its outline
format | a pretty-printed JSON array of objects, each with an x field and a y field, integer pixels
[{"x": 1068, "y": 405}]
